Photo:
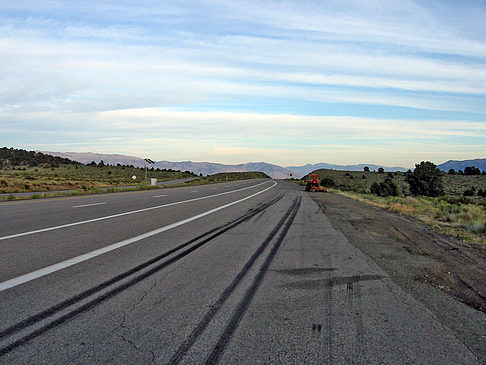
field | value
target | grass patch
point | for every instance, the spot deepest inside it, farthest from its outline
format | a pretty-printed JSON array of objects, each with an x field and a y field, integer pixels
[
  {"x": 463, "y": 221},
  {"x": 77, "y": 177}
]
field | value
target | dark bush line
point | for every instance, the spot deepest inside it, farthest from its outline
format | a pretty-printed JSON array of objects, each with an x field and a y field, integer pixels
[{"x": 19, "y": 157}]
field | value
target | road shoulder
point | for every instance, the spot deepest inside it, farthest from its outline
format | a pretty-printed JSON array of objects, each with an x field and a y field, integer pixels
[{"x": 446, "y": 275}]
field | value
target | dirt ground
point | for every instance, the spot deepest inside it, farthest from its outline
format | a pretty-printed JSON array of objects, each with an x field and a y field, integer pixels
[{"x": 447, "y": 275}]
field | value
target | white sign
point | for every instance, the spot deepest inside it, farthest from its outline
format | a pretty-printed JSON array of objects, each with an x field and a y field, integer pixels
[{"x": 134, "y": 177}]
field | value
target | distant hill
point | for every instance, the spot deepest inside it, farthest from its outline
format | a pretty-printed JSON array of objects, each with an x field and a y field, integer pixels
[
  {"x": 480, "y": 163},
  {"x": 87, "y": 157},
  {"x": 300, "y": 171},
  {"x": 19, "y": 157},
  {"x": 205, "y": 168}
]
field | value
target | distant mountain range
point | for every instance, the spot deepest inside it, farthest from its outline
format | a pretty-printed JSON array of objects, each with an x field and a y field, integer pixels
[
  {"x": 480, "y": 163},
  {"x": 205, "y": 168},
  {"x": 274, "y": 171}
]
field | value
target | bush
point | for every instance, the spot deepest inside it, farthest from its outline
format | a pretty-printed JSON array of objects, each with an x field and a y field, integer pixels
[
  {"x": 468, "y": 192},
  {"x": 477, "y": 227},
  {"x": 426, "y": 179},
  {"x": 327, "y": 182},
  {"x": 472, "y": 170},
  {"x": 385, "y": 188}
]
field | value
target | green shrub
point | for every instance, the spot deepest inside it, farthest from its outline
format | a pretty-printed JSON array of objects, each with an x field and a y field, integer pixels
[
  {"x": 385, "y": 188},
  {"x": 327, "y": 182},
  {"x": 476, "y": 227},
  {"x": 426, "y": 179}
]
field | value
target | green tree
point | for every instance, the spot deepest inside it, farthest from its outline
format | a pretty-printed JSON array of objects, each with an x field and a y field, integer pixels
[
  {"x": 426, "y": 179},
  {"x": 366, "y": 169},
  {"x": 381, "y": 170}
]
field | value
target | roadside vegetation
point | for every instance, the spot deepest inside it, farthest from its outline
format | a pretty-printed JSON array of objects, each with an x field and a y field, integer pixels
[
  {"x": 231, "y": 176},
  {"x": 452, "y": 203},
  {"x": 223, "y": 177},
  {"x": 33, "y": 172}
]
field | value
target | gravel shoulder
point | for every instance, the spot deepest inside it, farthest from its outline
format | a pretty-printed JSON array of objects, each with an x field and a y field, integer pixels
[{"x": 448, "y": 276}]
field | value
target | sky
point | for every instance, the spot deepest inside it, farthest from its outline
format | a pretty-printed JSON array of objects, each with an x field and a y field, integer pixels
[{"x": 285, "y": 82}]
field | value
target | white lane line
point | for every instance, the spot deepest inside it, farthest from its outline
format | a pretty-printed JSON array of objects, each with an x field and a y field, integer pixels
[
  {"x": 126, "y": 213},
  {"x": 78, "y": 259},
  {"x": 88, "y": 205},
  {"x": 158, "y": 196},
  {"x": 193, "y": 191}
]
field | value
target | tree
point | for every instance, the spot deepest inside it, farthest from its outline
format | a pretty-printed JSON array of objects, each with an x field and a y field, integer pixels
[
  {"x": 381, "y": 170},
  {"x": 366, "y": 169},
  {"x": 426, "y": 180},
  {"x": 452, "y": 172}
]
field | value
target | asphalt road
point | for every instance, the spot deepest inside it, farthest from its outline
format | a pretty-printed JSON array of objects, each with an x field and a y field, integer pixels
[{"x": 241, "y": 272}]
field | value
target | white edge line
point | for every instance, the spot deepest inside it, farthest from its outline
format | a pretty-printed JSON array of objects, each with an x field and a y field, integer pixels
[
  {"x": 87, "y": 205},
  {"x": 125, "y": 213},
  {"x": 78, "y": 259},
  {"x": 158, "y": 196}
]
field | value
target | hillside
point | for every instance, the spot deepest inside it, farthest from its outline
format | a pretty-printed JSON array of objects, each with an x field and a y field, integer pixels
[
  {"x": 112, "y": 159},
  {"x": 480, "y": 163},
  {"x": 30, "y": 171},
  {"x": 300, "y": 171},
  {"x": 19, "y": 157}
]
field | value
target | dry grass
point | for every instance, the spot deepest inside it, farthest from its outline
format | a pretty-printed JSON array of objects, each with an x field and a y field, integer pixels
[
  {"x": 75, "y": 177},
  {"x": 464, "y": 221}
]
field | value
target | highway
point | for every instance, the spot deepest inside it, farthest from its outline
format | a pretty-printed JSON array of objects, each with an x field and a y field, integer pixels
[{"x": 241, "y": 272}]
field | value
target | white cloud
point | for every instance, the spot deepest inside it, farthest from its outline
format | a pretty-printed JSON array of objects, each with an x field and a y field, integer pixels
[{"x": 127, "y": 70}]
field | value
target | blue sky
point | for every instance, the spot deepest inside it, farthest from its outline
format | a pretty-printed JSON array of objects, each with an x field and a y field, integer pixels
[{"x": 286, "y": 82}]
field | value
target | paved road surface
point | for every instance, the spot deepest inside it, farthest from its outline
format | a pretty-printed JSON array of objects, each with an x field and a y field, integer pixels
[{"x": 241, "y": 272}]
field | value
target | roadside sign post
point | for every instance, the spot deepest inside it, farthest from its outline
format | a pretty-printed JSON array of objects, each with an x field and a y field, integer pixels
[{"x": 149, "y": 161}]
